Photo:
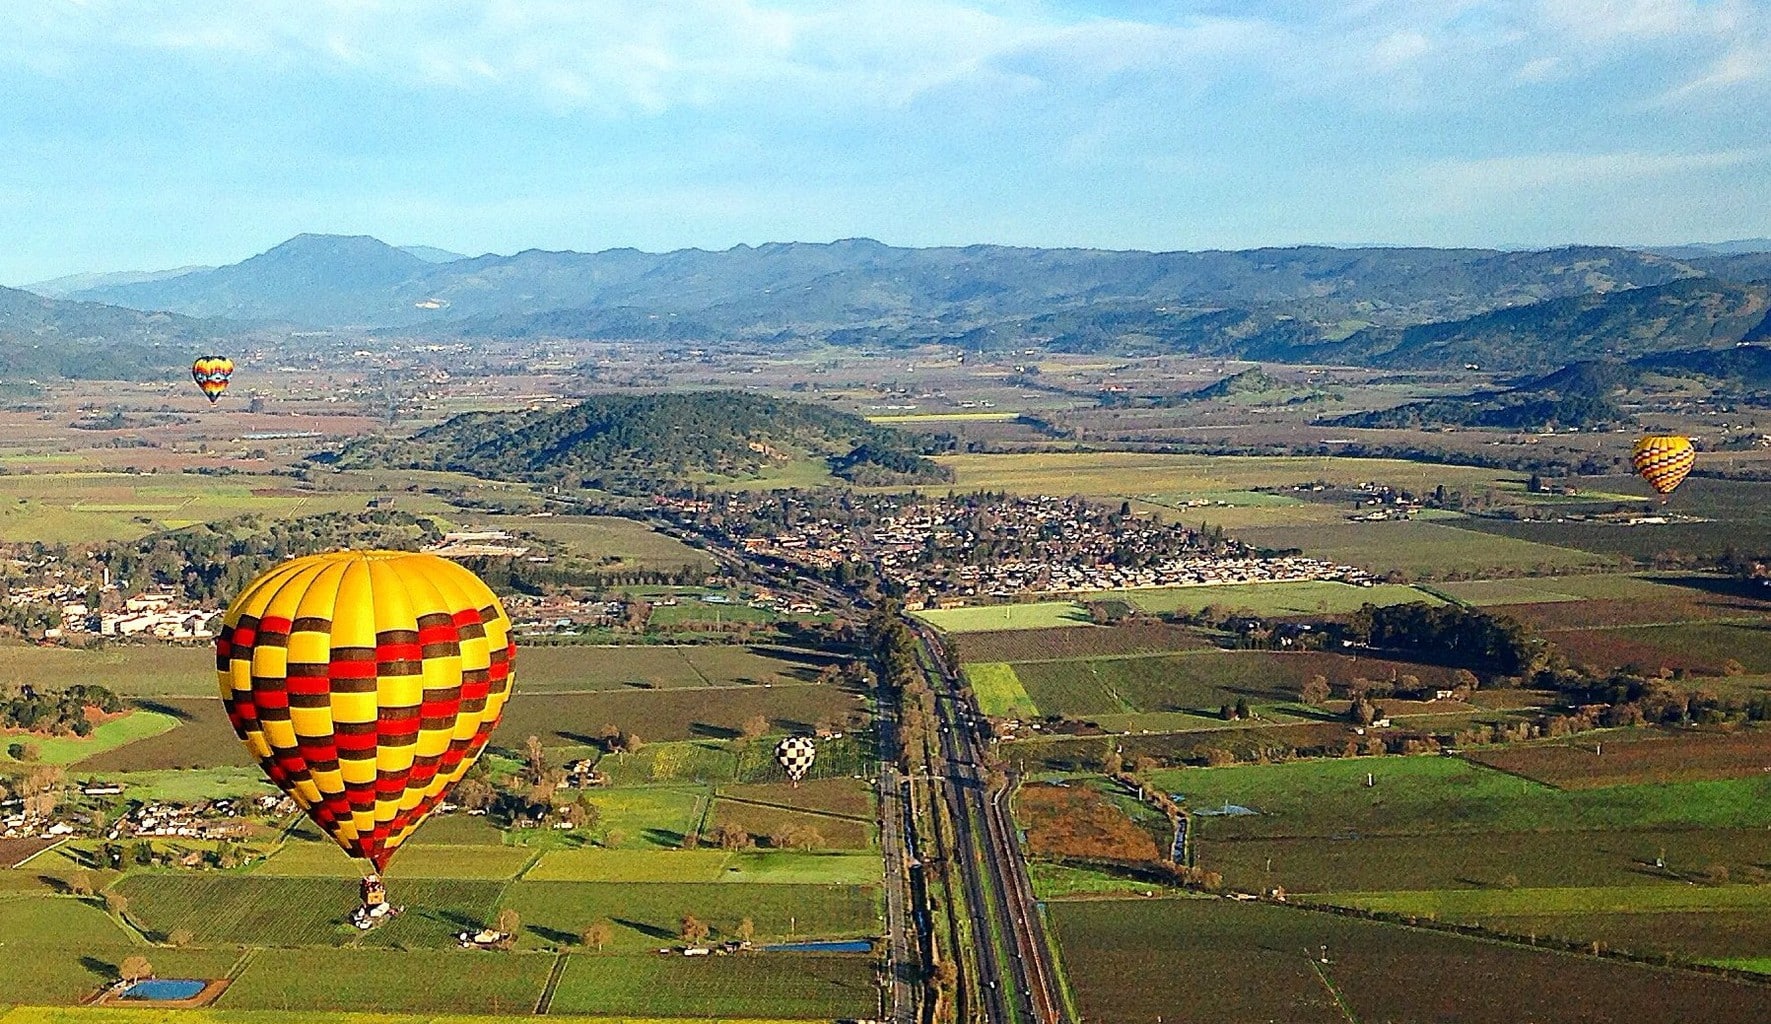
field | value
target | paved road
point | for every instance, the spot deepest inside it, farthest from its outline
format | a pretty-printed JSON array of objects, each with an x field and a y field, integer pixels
[{"x": 998, "y": 879}]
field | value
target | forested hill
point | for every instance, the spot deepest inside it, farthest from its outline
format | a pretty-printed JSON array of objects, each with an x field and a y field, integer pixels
[
  {"x": 1689, "y": 314},
  {"x": 634, "y": 444},
  {"x": 48, "y": 338}
]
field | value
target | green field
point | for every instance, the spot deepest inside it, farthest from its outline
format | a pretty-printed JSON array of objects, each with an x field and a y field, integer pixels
[
  {"x": 129, "y": 727},
  {"x": 129, "y": 670},
  {"x": 1137, "y": 474},
  {"x": 323, "y": 859},
  {"x": 998, "y": 691},
  {"x": 84, "y": 507},
  {"x": 143, "y": 1015},
  {"x": 1248, "y": 962},
  {"x": 648, "y": 914},
  {"x": 1194, "y": 682},
  {"x": 201, "y": 737},
  {"x": 572, "y": 719},
  {"x": 1302, "y": 597},
  {"x": 835, "y": 833},
  {"x": 1422, "y": 549},
  {"x": 606, "y": 544},
  {"x": 1473, "y": 904},
  {"x": 1503, "y": 859},
  {"x": 793, "y": 985},
  {"x": 59, "y": 949},
  {"x": 365, "y": 980},
  {"x": 1604, "y": 586},
  {"x": 1416, "y": 795},
  {"x": 575, "y": 668},
  {"x": 762, "y": 867},
  {"x": 690, "y": 612},
  {"x": 1032, "y": 615}
]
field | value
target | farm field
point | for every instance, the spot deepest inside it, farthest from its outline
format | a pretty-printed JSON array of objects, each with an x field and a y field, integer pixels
[
  {"x": 607, "y": 544},
  {"x": 1422, "y": 549},
  {"x": 1375, "y": 970},
  {"x": 1302, "y": 597},
  {"x": 323, "y": 859},
  {"x": 368, "y": 980},
  {"x": 575, "y": 668},
  {"x": 128, "y": 670},
  {"x": 1067, "y": 644},
  {"x": 849, "y": 797},
  {"x": 1420, "y": 795},
  {"x": 134, "y": 724},
  {"x": 1715, "y": 936},
  {"x": 60, "y": 949},
  {"x": 572, "y": 719},
  {"x": 1136, "y": 474},
  {"x": 647, "y": 914},
  {"x": 792, "y": 985},
  {"x": 998, "y": 690},
  {"x": 80, "y": 507},
  {"x": 761, "y": 867},
  {"x": 1729, "y": 506},
  {"x": 1194, "y": 682},
  {"x": 1632, "y": 757},
  {"x": 761, "y": 820},
  {"x": 200, "y": 737},
  {"x": 1030, "y": 615},
  {"x": 1512, "y": 859},
  {"x": 1703, "y": 648},
  {"x": 1551, "y": 589}
]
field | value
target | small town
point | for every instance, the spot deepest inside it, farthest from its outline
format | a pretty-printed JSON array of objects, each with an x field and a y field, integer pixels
[{"x": 941, "y": 551}]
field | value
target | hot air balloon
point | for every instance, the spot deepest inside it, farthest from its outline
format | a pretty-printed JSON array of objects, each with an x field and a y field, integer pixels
[
  {"x": 211, "y": 374},
  {"x": 796, "y": 754},
  {"x": 366, "y": 683},
  {"x": 1663, "y": 461}
]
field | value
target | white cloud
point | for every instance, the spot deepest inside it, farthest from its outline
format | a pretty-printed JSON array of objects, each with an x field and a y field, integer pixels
[{"x": 1462, "y": 181}]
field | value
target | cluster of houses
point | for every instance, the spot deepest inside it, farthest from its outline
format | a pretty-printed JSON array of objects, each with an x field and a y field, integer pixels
[
  {"x": 161, "y": 616},
  {"x": 223, "y": 818},
  {"x": 1011, "y": 578},
  {"x": 946, "y": 551}
]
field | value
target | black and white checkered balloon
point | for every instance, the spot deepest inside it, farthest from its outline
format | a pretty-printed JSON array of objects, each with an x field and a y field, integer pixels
[{"x": 796, "y": 754}]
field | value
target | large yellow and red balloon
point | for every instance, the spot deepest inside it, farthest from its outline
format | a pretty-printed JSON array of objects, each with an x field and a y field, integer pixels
[
  {"x": 366, "y": 683},
  {"x": 1664, "y": 461},
  {"x": 211, "y": 374}
]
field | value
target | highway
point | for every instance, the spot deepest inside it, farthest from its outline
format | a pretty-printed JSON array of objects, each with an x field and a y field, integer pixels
[{"x": 1020, "y": 982}]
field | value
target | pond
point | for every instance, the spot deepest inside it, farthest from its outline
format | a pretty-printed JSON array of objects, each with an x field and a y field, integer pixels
[
  {"x": 845, "y": 946},
  {"x": 165, "y": 989}
]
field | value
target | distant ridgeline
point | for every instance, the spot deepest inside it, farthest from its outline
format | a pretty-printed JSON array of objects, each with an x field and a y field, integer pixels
[
  {"x": 47, "y": 339},
  {"x": 629, "y": 444},
  {"x": 1383, "y": 307}
]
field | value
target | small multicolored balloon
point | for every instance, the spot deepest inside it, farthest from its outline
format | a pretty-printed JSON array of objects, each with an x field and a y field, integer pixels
[
  {"x": 1664, "y": 461},
  {"x": 211, "y": 374}
]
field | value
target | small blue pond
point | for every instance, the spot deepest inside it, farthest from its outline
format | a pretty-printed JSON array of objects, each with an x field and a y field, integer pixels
[
  {"x": 848, "y": 946},
  {"x": 164, "y": 989}
]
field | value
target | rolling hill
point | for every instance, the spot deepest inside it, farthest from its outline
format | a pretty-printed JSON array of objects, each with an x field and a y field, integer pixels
[
  {"x": 636, "y": 444},
  {"x": 45, "y": 338}
]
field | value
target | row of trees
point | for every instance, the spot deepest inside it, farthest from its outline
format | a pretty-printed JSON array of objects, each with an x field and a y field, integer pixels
[{"x": 56, "y": 712}]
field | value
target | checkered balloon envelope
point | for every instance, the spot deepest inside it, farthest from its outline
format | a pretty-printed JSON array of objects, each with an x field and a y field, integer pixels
[{"x": 796, "y": 754}]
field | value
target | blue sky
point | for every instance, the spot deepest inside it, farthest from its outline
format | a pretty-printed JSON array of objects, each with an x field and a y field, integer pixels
[{"x": 139, "y": 135}]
